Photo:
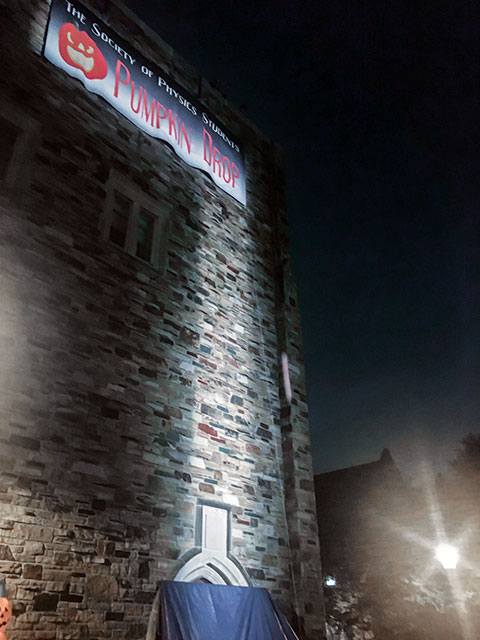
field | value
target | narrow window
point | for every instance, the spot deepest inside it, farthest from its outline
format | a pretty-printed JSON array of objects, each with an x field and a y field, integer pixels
[
  {"x": 145, "y": 230},
  {"x": 9, "y": 133},
  {"x": 121, "y": 211},
  {"x": 19, "y": 134},
  {"x": 286, "y": 378}
]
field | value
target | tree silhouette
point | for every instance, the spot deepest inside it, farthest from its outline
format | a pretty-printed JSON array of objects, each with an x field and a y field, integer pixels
[{"x": 467, "y": 462}]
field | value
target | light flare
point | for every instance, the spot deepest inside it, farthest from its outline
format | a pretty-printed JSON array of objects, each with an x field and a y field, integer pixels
[{"x": 448, "y": 555}]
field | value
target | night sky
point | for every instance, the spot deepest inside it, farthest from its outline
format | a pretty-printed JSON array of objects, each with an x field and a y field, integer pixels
[{"x": 377, "y": 108}]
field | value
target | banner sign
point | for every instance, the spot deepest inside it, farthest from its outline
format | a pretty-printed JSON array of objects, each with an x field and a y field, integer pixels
[{"x": 87, "y": 49}]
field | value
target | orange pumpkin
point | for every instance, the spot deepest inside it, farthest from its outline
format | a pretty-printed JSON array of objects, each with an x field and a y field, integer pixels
[
  {"x": 5, "y": 611},
  {"x": 80, "y": 51}
]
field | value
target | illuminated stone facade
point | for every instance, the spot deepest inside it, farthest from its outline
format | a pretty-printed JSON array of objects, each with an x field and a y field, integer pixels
[{"x": 138, "y": 400}]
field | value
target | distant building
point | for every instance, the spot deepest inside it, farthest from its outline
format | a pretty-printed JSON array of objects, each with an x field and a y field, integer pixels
[
  {"x": 147, "y": 305},
  {"x": 378, "y": 537},
  {"x": 353, "y": 506}
]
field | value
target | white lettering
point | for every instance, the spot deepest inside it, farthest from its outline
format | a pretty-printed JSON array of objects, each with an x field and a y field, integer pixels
[
  {"x": 75, "y": 12},
  {"x": 214, "y": 127},
  {"x": 172, "y": 92},
  {"x": 106, "y": 38}
]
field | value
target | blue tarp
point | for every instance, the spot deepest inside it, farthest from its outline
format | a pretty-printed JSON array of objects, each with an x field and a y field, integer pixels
[{"x": 199, "y": 611}]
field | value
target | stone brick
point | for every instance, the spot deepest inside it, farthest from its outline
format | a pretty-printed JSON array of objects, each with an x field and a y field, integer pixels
[
  {"x": 5, "y": 552},
  {"x": 33, "y": 549},
  {"x": 45, "y": 602},
  {"x": 207, "y": 488},
  {"x": 32, "y": 572},
  {"x": 101, "y": 587},
  {"x": 144, "y": 570},
  {"x": 258, "y": 574}
]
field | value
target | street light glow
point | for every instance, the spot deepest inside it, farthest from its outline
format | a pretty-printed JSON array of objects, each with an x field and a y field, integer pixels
[{"x": 447, "y": 555}]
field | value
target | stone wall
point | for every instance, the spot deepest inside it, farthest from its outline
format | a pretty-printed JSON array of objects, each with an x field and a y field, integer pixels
[{"x": 130, "y": 393}]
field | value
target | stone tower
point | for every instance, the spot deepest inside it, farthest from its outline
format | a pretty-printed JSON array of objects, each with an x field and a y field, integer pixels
[{"x": 148, "y": 430}]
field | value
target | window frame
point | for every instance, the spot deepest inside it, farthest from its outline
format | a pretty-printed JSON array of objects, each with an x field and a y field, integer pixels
[
  {"x": 19, "y": 169},
  {"x": 159, "y": 212}
]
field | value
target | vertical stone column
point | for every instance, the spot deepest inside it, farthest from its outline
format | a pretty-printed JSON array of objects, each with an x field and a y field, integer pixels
[{"x": 307, "y": 592}]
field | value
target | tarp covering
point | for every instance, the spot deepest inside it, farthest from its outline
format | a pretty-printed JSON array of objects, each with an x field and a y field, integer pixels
[{"x": 199, "y": 611}]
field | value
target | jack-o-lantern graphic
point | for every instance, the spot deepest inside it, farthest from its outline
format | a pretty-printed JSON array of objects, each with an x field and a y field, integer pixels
[
  {"x": 5, "y": 611},
  {"x": 80, "y": 51}
]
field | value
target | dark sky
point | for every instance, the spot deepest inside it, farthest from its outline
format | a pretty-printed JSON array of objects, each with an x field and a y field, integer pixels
[{"x": 377, "y": 107}]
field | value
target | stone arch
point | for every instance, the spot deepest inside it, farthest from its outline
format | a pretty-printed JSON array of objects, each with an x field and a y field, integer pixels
[{"x": 216, "y": 569}]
